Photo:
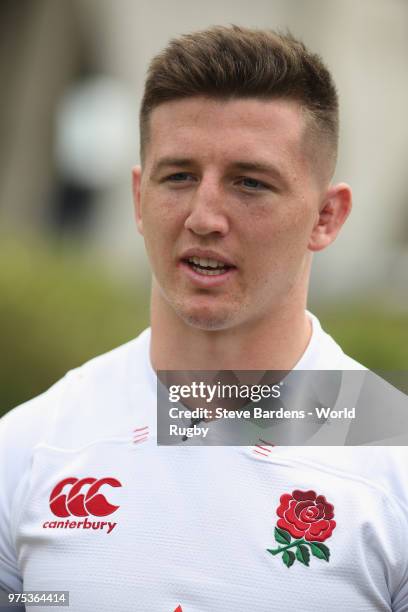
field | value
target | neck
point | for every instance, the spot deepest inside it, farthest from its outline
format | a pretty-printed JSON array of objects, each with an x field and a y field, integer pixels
[{"x": 275, "y": 342}]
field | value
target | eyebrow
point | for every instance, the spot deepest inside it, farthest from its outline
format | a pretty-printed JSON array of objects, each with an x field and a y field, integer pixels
[
  {"x": 164, "y": 162},
  {"x": 248, "y": 166},
  {"x": 245, "y": 166}
]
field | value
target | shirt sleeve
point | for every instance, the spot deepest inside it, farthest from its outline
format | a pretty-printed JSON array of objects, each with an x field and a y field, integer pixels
[
  {"x": 21, "y": 430},
  {"x": 400, "y": 601},
  {"x": 10, "y": 578},
  {"x": 398, "y": 479}
]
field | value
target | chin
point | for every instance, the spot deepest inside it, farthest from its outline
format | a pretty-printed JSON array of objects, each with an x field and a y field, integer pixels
[
  {"x": 206, "y": 324},
  {"x": 204, "y": 313},
  {"x": 207, "y": 321}
]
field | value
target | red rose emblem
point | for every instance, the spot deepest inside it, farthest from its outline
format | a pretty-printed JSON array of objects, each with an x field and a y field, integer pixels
[{"x": 306, "y": 515}]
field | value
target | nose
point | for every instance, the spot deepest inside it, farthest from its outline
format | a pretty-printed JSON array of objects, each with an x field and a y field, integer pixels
[{"x": 207, "y": 210}]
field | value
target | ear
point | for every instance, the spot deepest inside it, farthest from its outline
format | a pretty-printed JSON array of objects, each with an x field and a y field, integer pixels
[
  {"x": 335, "y": 209},
  {"x": 136, "y": 183}
]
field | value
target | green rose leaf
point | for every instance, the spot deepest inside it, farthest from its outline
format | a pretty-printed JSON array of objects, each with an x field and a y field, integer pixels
[
  {"x": 282, "y": 536},
  {"x": 288, "y": 558},
  {"x": 303, "y": 554},
  {"x": 319, "y": 550}
]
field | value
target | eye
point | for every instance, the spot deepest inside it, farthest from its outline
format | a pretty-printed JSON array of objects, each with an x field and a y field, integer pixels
[
  {"x": 252, "y": 184},
  {"x": 179, "y": 177}
]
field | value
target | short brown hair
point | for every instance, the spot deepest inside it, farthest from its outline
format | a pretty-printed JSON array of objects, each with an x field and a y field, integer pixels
[{"x": 236, "y": 62}]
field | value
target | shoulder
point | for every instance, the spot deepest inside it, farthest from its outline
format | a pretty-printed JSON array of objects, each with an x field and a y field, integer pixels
[
  {"x": 76, "y": 411},
  {"x": 324, "y": 353},
  {"x": 82, "y": 396},
  {"x": 379, "y": 469}
]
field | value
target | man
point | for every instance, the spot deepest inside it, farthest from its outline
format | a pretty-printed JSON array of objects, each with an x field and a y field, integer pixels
[{"x": 238, "y": 148}]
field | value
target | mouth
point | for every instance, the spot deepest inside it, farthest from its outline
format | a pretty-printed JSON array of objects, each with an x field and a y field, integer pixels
[
  {"x": 207, "y": 270},
  {"x": 207, "y": 266}
]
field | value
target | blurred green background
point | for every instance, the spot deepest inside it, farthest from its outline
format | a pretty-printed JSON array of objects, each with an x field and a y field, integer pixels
[{"x": 59, "y": 309}]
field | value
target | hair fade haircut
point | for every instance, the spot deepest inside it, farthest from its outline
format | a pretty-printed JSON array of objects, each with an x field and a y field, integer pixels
[{"x": 236, "y": 62}]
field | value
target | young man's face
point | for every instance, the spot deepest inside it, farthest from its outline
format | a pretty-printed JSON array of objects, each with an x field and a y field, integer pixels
[{"x": 230, "y": 182}]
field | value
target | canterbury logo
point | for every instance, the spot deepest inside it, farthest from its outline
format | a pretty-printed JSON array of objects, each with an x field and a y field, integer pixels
[{"x": 77, "y": 503}]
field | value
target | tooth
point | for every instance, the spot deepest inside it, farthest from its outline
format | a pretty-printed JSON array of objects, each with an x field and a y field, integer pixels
[
  {"x": 196, "y": 260},
  {"x": 213, "y": 263},
  {"x": 212, "y": 272},
  {"x": 203, "y": 262}
]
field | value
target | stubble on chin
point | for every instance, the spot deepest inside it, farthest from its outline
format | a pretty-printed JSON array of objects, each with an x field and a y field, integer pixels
[
  {"x": 207, "y": 323},
  {"x": 206, "y": 319}
]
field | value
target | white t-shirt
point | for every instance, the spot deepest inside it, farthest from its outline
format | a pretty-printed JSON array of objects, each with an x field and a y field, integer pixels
[{"x": 90, "y": 504}]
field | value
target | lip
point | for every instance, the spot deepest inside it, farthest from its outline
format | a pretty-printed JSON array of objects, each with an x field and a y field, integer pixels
[
  {"x": 205, "y": 281},
  {"x": 207, "y": 254}
]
